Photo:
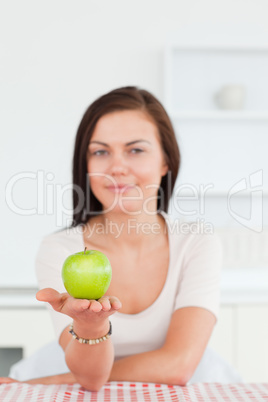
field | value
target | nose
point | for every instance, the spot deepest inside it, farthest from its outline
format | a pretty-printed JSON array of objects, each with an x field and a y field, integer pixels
[{"x": 118, "y": 165}]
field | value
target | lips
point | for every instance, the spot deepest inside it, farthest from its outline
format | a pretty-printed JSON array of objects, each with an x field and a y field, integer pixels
[{"x": 120, "y": 188}]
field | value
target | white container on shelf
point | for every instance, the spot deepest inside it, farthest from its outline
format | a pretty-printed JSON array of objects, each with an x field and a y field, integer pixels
[{"x": 194, "y": 74}]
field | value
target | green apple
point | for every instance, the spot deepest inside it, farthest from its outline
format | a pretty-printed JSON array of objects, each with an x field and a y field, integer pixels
[{"x": 87, "y": 274}]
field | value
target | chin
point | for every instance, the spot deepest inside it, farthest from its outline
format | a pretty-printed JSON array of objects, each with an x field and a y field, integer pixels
[{"x": 127, "y": 208}]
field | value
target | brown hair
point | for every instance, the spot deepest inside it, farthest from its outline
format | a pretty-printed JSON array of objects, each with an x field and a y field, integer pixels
[{"x": 85, "y": 204}]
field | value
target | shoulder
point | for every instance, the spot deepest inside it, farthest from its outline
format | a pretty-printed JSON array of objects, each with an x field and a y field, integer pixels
[
  {"x": 192, "y": 236},
  {"x": 64, "y": 236},
  {"x": 62, "y": 242}
]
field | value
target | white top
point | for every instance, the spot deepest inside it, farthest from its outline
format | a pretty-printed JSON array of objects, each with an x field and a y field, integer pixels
[{"x": 193, "y": 279}]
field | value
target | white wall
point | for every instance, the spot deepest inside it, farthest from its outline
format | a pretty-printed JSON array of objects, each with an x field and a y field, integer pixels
[{"x": 57, "y": 57}]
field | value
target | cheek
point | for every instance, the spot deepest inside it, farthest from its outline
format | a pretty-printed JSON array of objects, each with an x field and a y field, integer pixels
[
  {"x": 94, "y": 166},
  {"x": 94, "y": 185},
  {"x": 89, "y": 166},
  {"x": 95, "y": 176},
  {"x": 151, "y": 172}
]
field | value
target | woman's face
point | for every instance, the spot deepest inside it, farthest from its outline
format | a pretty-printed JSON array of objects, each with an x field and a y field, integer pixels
[{"x": 126, "y": 162}]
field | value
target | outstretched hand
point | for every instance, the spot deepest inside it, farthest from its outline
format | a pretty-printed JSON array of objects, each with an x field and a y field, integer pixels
[{"x": 80, "y": 309}]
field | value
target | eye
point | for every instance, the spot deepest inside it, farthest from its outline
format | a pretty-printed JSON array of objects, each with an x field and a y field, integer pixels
[
  {"x": 100, "y": 152},
  {"x": 136, "y": 150}
]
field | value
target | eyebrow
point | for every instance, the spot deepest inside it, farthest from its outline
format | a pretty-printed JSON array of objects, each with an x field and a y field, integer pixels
[{"x": 127, "y": 144}]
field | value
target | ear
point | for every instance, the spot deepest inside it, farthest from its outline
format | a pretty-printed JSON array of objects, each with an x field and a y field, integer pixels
[{"x": 164, "y": 169}]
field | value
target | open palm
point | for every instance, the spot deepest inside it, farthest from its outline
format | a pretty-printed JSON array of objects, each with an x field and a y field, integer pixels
[{"x": 80, "y": 309}]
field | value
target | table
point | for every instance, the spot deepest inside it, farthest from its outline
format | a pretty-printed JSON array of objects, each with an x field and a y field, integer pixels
[{"x": 135, "y": 392}]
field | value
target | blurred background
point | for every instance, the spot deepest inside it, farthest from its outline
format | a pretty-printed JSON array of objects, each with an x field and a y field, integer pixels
[{"x": 207, "y": 62}]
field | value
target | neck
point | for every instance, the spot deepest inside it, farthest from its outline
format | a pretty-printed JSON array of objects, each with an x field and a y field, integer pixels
[{"x": 135, "y": 230}]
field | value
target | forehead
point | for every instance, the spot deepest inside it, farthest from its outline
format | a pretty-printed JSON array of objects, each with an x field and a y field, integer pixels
[{"x": 126, "y": 125}]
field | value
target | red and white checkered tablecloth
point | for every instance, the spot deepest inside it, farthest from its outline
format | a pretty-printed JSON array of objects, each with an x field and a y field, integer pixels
[{"x": 135, "y": 392}]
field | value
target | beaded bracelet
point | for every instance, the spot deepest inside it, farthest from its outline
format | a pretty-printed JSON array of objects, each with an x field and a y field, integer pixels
[{"x": 91, "y": 341}]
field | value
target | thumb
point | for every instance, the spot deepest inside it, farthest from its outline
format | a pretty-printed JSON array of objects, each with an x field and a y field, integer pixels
[
  {"x": 47, "y": 295},
  {"x": 52, "y": 297}
]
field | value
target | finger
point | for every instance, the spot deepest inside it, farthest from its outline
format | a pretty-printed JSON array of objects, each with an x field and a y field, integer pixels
[
  {"x": 105, "y": 302},
  {"x": 51, "y": 296},
  {"x": 95, "y": 306},
  {"x": 115, "y": 303},
  {"x": 79, "y": 305},
  {"x": 47, "y": 295}
]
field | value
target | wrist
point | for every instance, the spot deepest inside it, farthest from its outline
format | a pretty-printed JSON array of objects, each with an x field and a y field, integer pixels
[{"x": 91, "y": 330}]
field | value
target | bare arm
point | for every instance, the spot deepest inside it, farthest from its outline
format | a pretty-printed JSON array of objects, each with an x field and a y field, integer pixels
[
  {"x": 90, "y": 365},
  {"x": 174, "y": 363},
  {"x": 189, "y": 332}
]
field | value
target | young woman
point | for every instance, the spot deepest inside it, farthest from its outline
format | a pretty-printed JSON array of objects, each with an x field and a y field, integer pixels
[{"x": 164, "y": 295}]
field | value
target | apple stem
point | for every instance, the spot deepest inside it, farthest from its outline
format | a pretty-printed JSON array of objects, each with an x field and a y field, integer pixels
[{"x": 85, "y": 250}]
